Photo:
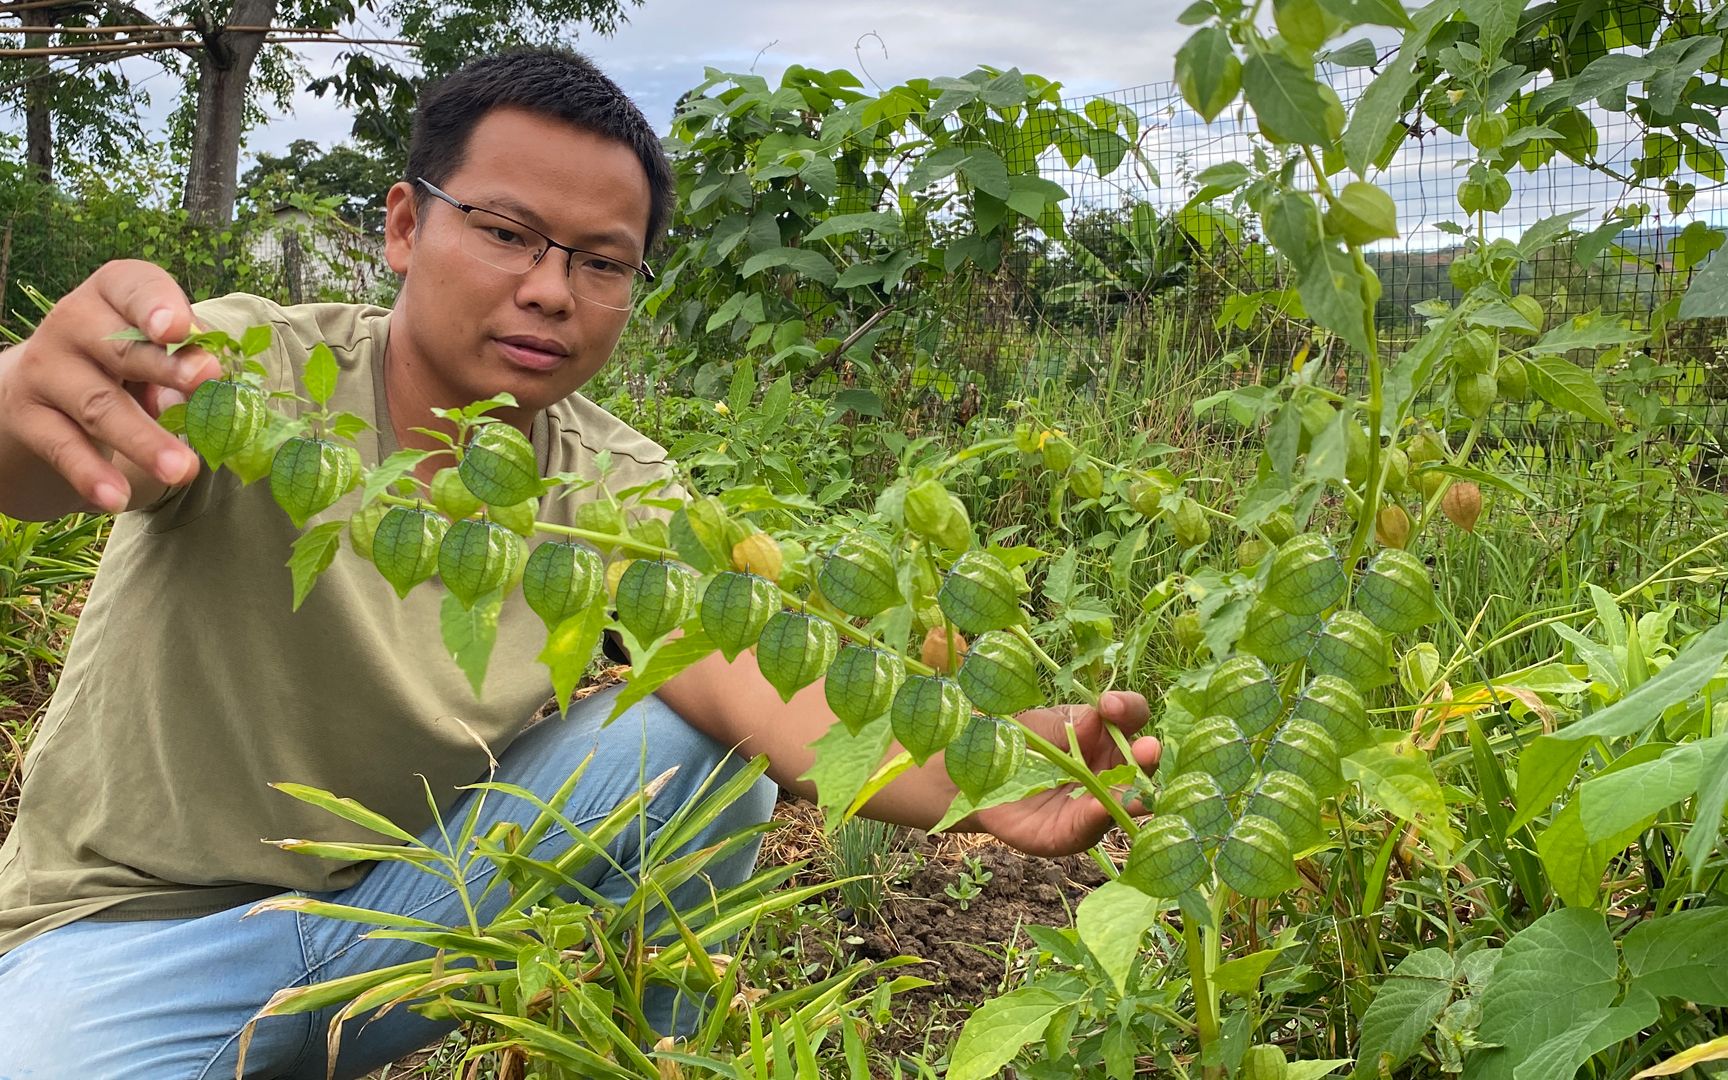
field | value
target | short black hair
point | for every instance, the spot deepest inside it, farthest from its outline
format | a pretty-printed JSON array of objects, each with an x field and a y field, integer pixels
[{"x": 553, "y": 82}]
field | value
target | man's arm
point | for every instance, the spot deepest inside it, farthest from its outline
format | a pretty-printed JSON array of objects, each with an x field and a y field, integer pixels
[
  {"x": 733, "y": 704},
  {"x": 77, "y": 410}
]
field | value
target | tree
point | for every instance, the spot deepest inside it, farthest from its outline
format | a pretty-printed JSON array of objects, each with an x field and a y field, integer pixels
[
  {"x": 359, "y": 177},
  {"x": 220, "y": 48}
]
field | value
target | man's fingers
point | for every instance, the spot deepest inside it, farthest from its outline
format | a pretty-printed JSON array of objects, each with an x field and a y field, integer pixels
[
  {"x": 1125, "y": 708},
  {"x": 108, "y": 415},
  {"x": 144, "y": 295},
  {"x": 52, "y": 436}
]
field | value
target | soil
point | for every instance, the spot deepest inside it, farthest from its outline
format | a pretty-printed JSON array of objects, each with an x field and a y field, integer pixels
[{"x": 971, "y": 953}]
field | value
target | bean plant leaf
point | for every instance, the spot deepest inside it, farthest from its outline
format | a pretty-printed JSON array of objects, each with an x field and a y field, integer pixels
[
  {"x": 1707, "y": 296},
  {"x": 1403, "y": 1012},
  {"x": 1610, "y": 803},
  {"x": 469, "y": 631},
  {"x": 1683, "y": 955},
  {"x": 1556, "y": 970}
]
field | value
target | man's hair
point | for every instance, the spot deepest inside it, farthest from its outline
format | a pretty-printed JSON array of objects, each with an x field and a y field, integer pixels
[{"x": 555, "y": 83}]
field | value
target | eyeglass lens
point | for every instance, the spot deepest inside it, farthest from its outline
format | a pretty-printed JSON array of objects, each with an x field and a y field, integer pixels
[{"x": 500, "y": 242}]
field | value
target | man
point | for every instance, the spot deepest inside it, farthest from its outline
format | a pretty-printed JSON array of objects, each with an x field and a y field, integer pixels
[{"x": 190, "y": 688}]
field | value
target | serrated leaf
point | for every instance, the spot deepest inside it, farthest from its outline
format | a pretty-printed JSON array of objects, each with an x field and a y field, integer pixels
[
  {"x": 313, "y": 552},
  {"x": 469, "y": 633},
  {"x": 1565, "y": 385},
  {"x": 1110, "y": 921},
  {"x": 844, "y": 763}
]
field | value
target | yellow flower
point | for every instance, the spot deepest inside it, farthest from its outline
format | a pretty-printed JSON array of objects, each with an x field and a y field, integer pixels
[
  {"x": 721, "y": 408},
  {"x": 1046, "y": 436}
]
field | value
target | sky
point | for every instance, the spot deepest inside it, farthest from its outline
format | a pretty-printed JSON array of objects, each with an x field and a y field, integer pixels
[{"x": 1106, "y": 46}]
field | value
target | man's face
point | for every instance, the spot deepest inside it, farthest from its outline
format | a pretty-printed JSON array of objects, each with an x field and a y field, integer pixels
[{"x": 464, "y": 330}]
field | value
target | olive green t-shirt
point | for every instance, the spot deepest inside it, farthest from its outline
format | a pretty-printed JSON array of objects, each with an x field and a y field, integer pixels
[{"x": 190, "y": 685}]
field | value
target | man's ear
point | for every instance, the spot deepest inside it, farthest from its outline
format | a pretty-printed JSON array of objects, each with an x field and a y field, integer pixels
[{"x": 401, "y": 221}]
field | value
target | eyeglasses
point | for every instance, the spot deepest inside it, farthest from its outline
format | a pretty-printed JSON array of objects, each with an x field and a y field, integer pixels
[{"x": 511, "y": 246}]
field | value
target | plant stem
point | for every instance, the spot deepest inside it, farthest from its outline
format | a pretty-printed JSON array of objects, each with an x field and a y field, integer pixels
[{"x": 1201, "y": 947}]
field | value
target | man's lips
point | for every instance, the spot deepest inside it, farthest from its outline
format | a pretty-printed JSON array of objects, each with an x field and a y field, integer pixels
[{"x": 532, "y": 352}]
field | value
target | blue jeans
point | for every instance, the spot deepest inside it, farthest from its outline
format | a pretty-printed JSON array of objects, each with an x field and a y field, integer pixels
[{"x": 168, "y": 999}]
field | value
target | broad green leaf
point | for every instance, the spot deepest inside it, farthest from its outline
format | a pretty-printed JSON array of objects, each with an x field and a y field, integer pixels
[
  {"x": 1331, "y": 290},
  {"x": 313, "y": 552},
  {"x": 1313, "y": 1070},
  {"x": 1682, "y": 955},
  {"x": 570, "y": 649},
  {"x": 470, "y": 632},
  {"x": 847, "y": 224},
  {"x": 1565, "y": 385},
  {"x": 1561, "y": 1057},
  {"x": 1208, "y": 72},
  {"x": 390, "y": 470},
  {"x": 1706, "y": 827},
  {"x": 1111, "y": 920},
  {"x": 1557, "y": 969},
  {"x": 845, "y": 762},
  {"x": 1396, "y": 774},
  {"x": 1545, "y": 769},
  {"x": 1574, "y": 862},
  {"x": 805, "y": 261},
  {"x": 1707, "y": 296},
  {"x": 1242, "y": 975},
  {"x": 1593, "y": 331},
  {"x": 1000, "y": 1029},
  {"x": 320, "y": 374},
  {"x": 1612, "y": 802},
  {"x": 1287, "y": 100},
  {"x": 665, "y": 662},
  {"x": 1403, "y": 1011}
]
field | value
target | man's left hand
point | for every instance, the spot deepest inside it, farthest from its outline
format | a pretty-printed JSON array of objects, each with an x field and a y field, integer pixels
[{"x": 1055, "y": 822}]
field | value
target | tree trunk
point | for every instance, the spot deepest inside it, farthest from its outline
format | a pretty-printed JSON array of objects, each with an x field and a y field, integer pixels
[
  {"x": 224, "y": 74},
  {"x": 39, "y": 99}
]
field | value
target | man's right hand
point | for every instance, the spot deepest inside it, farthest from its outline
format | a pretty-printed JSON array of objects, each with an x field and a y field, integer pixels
[{"x": 78, "y": 411}]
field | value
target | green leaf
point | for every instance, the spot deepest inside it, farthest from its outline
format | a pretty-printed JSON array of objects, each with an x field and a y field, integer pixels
[
  {"x": 1545, "y": 768},
  {"x": 1573, "y": 861},
  {"x": 1565, "y": 385},
  {"x": 1683, "y": 955},
  {"x": 570, "y": 649},
  {"x": 320, "y": 374},
  {"x": 811, "y": 264},
  {"x": 1313, "y": 1070},
  {"x": 347, "y": 810},
  {"x": 1287, "y": 100},
  {"x": 1111, "y": 920},
  {"x": 1000, "y": 1029},
  {"x": 847, "y": 224},
  {"x": 1556, "y": 970},
  {"x": 313, "y": 552},
  {"x": 1611, "y": 803},
  {"x": 1242, "y": 975},
  {"x": 1208, "y": 72},
  {"x": 985, "y": 170},
  {"x": 1684, "y": 676},
  {"x": 1397, "y": 775},
  {"x": 1331, "y": 292},
  {"x": 1403, "y": 1011},
  {"x": 845, "y": 762},
  {"x": 390, "y": 470},
  {"x": 1707, "y": 296},
  {"x": 661, "y": 665},
  {"x": 1593, "y": 331},
  {"x": 470, "y": 632},
  {"x": 1707, "y": 811}
]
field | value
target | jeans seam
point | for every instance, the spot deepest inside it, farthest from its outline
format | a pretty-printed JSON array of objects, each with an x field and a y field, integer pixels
[{"x": 306, "y": 1042}]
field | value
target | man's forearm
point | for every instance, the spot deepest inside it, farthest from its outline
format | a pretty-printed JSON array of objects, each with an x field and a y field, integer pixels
[{"x": 734, "y": 704}]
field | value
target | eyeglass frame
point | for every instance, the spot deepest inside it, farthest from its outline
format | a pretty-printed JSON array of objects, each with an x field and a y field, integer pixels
[{"x": 640, "y": 268}]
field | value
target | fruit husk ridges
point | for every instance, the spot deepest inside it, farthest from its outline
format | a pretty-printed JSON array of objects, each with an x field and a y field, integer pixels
[
  {"x": 1337, "y": 707},
  {"x": 1244, "y": 690},
  {"x": 1275, "y": 635},
  {"x": 499, "y": 467},
  {"x": 222, "y": 416},
  {"x": 861, "y": 683},
  {"x": 1305, "y": 748},
  {"x": 1306, "y": 577},
  {"x": 1353, "y": 649},
  {"x": 927, "y": 714},
  {"x": 1217, "y": 747},
  {"x": 734, "y": 609},
  {"x": 984, "y": 755},
  {"x": 405, "y": 546},
  {"x": 309, "y": 475},
  {"x": 1397, "y": 593},
  {"x": 978, "y": 594},
  {"x": 858, "y": 577},
  {"x": 1197, "y": 798},
  {"x": 562, "y": 578},
  {"x": 1166, "y": 860},
  {"x": 1255, "y": 859},
  {"x": 475, "y": 558},
  {"x": 794, "y": 650},
  {"x": 999, "y": 675},
  {"x": 653, "y": 597}
]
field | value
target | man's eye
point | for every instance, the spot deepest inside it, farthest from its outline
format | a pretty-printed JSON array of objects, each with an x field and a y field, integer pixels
[
  {"x": 605, "y": 267},
  {"x": 504, "y": 236}
]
